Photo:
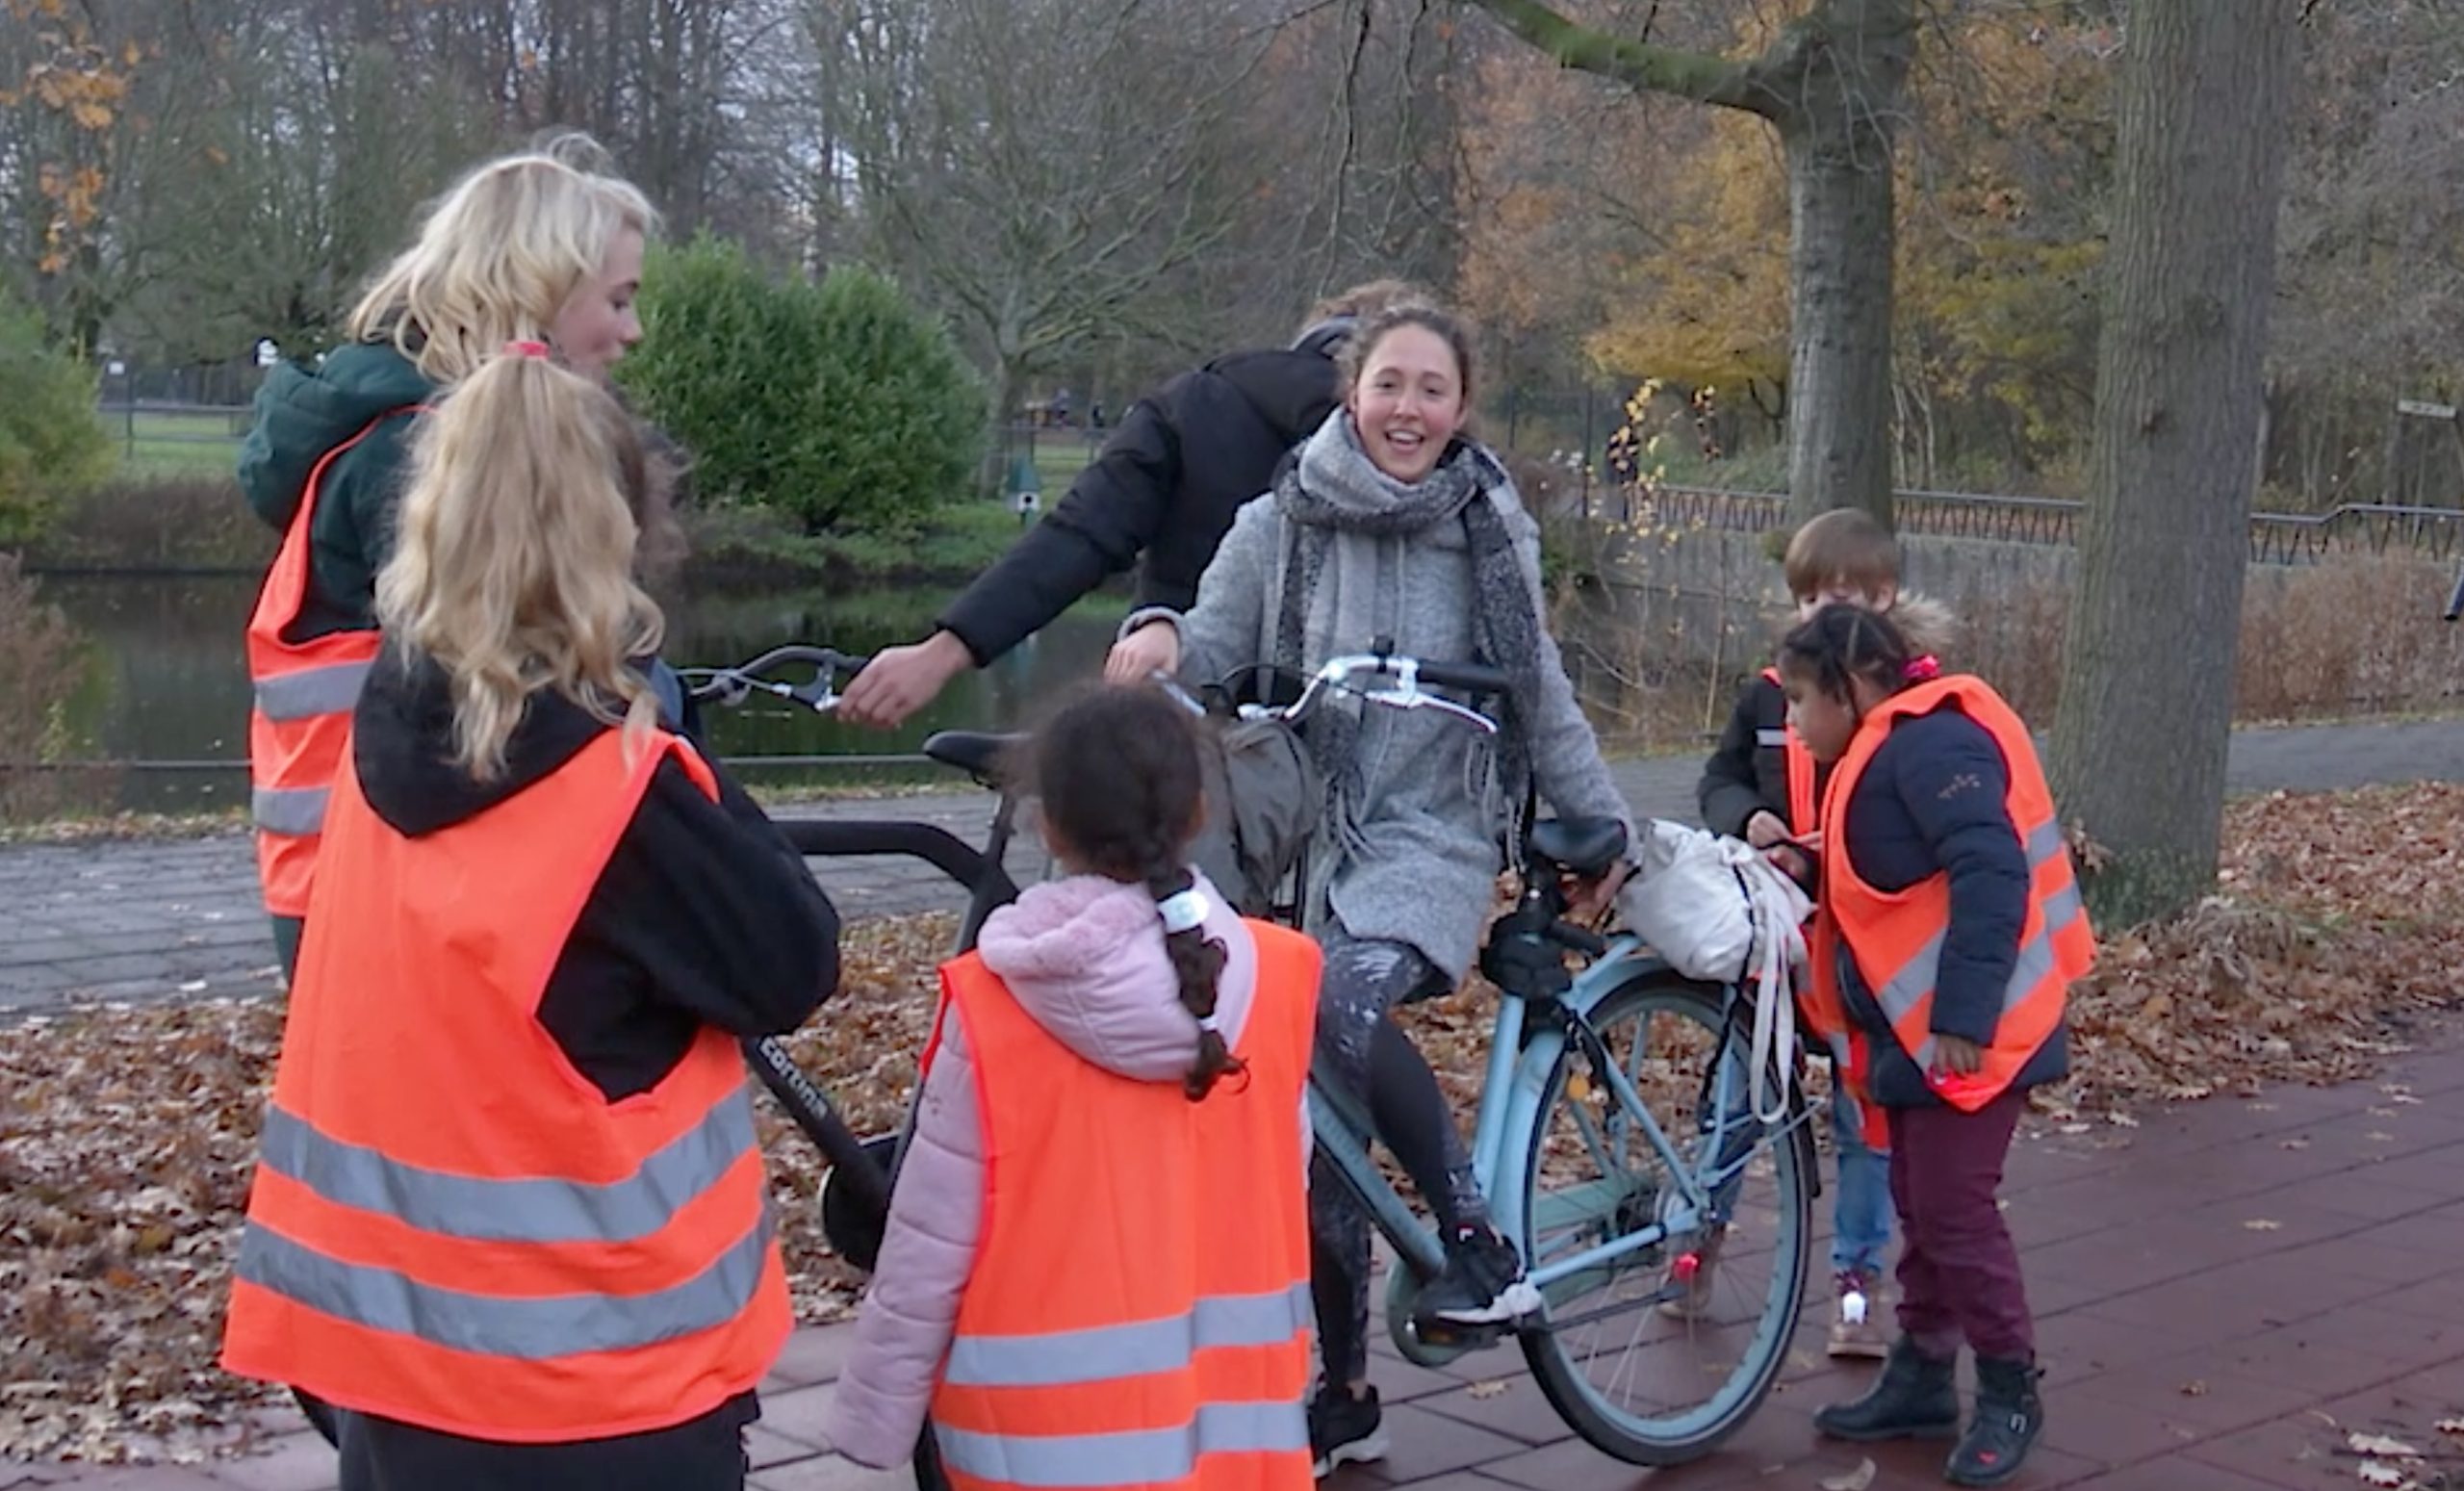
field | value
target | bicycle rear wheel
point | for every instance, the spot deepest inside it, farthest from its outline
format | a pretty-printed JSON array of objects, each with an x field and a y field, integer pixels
[{"x": 1656, "y": 1355}]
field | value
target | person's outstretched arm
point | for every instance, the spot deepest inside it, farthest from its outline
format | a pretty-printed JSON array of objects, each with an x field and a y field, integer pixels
[{"x": 1111, "y": 512}]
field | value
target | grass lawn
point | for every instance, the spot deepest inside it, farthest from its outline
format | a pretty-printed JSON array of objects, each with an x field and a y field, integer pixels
[{"x": 176, "y": 445}]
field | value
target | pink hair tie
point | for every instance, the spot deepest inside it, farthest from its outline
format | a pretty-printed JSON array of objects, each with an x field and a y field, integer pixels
[
  {"x": 538, "y": 349},
  {"x": 1922, "y": 670}
]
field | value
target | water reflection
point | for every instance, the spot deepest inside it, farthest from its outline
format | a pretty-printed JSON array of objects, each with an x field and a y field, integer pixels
[
  {"x": 167, "y": 677},
  {"x": 168, "y": 680}
]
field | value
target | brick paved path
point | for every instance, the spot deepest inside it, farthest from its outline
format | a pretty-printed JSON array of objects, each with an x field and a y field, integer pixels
[
  {"x": 2223, "y": 1294},
  {"x": 153, "y": 918}
]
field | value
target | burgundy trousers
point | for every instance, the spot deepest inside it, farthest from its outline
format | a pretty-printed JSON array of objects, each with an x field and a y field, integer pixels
[{"x": 1958, "y": 1270}]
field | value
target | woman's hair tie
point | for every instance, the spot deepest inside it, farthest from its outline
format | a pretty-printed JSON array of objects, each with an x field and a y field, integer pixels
[
  {"x": 1184, "y": 911},
  {"x": 526, "y": 349},
  {"x": 1922, "y": 670}
]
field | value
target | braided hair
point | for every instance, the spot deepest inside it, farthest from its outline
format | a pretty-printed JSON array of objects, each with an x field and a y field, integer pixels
[
  {"x": 1843, "y": 643},
  {"x": 1119, "y": 773}
]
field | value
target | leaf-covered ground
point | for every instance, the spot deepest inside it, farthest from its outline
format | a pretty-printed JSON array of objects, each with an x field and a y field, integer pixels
[{"x": 126, "y": 1134}]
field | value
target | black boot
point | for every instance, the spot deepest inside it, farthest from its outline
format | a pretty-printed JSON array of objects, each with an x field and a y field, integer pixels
[
  {"x": 1914, "y": 1398},
  {"x": 2008, "y": 1416}
]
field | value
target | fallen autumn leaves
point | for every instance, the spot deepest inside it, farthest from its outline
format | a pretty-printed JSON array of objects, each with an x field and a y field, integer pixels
[{"x": 126, "y": 1135}]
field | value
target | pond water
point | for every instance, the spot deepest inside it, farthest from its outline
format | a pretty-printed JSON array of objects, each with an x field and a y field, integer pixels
[{"x": 165, "y": 678}]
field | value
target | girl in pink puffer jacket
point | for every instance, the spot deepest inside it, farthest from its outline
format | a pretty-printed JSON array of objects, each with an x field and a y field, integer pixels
[{"x": 1089, "y": 958}]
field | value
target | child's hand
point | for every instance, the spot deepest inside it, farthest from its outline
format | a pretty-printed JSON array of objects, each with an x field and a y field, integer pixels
[
  {"x": 1791, "y": 864},
  {"x": 1957, "y": 1056},
  {"x": 1587, "y": 899},
  {"x": 1765, "y": 829}
]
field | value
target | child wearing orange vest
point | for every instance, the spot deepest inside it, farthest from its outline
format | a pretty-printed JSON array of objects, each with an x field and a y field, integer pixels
[
  {"x": 1763, "y": 785},
  {"x": 1950, "y": 928},
  {"x": 1096, "y": 1269}
]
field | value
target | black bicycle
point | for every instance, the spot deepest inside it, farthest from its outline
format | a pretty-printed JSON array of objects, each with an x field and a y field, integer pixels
[{"x": 856, "y": 1195}]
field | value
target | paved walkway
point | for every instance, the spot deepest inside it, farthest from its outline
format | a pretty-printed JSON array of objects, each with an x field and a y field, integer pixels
[
  {"x": 141, "y": 919},
  {"x": 2223, "y": 1295}
]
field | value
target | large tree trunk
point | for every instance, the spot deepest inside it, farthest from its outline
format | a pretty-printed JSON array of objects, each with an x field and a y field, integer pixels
[
  {"x": 1840, "y": 290},
  {"x": 1833, "y": 80},
  {"x": 2147, "y": 678}
]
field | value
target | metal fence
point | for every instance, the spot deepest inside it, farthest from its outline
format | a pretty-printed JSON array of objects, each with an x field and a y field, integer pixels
[
  {"x": 2275, "y": 537},
  {"x": 1048, "y": 454}
]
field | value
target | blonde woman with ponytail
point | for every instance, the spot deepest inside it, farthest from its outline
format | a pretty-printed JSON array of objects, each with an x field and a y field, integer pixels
[
  {"x": 540, "y": 246},
  {"x": 509, "y": 1218}
]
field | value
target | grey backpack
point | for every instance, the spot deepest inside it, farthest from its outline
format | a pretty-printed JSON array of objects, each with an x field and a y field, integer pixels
[{"x": 1263, "y": 797}]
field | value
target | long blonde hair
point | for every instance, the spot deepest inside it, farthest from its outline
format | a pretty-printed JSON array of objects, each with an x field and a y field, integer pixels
[
  {"x": 513, "y": 567},
  {"x": 498, "y": 257}
]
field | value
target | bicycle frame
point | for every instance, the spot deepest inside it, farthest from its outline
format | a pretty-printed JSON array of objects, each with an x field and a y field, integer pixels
[
  {"x": 982, "y": 871},
  {"x": 989, "y": 887},
  {"x": 1521, "y": 1056}
]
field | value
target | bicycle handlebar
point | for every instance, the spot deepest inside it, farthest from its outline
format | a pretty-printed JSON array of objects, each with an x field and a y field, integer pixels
[
  {"x": 1408, "y": 689},
  {"x": 731, "y": 685}
]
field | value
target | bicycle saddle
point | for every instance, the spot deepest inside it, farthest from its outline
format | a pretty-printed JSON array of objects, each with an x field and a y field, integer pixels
[
  {"x": 1584, "y": 847},
  {"x": 977, "y": 752}
]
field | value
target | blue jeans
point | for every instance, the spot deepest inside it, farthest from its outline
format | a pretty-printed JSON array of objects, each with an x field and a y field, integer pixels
[
  {"x": 1861, "y": 1210},
  {"x": 1861, "y": 1205}
]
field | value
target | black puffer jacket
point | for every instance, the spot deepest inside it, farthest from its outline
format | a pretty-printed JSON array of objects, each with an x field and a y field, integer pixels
[
  {"x": 703, "y": 915},
  {"x": 1166, "y": 486}
]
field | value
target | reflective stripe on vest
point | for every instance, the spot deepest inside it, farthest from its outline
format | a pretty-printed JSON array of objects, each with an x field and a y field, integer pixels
[
  {"x": 513, "y": 1329},
  {"x": 1181, "y": 1359},
  {"x": 332, "y": 689},
  {"x": 1103, "y": 1351},
  {"x": 449, "y": 1226},
  {"x": 1900, "y": 993},
  {"x": 300, "y": 719},
  {"x": 527, "y": 1210},
  {"x": 1896, "y": 938},
  {"x": 297, "y": 813},
  {"x": 1134, "y": 1458}
]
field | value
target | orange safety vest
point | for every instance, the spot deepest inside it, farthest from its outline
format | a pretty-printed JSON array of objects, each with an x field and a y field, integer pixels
[
  {"x": 300, "y": 717},
  {"x": 1897, "y": 937},
  {"x": 1139, "y": 1311},
  {"x": 450, "y": 1226}
]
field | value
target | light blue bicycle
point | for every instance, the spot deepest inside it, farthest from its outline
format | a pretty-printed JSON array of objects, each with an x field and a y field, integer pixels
[{"x": 1667, "y": 1230}]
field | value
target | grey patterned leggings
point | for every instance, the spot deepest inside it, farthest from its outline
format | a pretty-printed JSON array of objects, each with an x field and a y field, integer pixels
[{"x": 1375, "y": 1060}]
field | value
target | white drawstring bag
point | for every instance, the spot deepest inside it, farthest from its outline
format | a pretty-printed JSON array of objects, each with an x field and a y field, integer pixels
[{"x": 1714, "y": 909}]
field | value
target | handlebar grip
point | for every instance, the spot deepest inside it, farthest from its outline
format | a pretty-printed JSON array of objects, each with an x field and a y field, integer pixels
[
  {"x": 2455, "y": 601},
  {"x": 1472, "y": 678}
]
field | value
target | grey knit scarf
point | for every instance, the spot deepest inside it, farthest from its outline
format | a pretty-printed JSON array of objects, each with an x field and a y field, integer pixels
[{"x": 1334, "y": 488}]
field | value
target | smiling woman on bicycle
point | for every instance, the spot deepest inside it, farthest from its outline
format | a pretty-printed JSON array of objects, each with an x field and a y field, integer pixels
[
  {"x": 1393, "y": 522},
  {"x": 510, "y": 1214}
]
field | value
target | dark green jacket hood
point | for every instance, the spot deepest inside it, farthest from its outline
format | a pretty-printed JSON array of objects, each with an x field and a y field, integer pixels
[{"x": 302, "y": 413}]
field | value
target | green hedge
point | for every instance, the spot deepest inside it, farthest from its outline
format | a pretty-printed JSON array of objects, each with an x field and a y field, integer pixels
[{"x": 841, "y": 404}]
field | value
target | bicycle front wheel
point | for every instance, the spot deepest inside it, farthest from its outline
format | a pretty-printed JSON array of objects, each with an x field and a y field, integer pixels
[{"x": 1656, "y": 1354}]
